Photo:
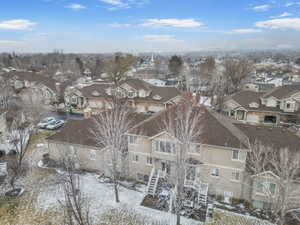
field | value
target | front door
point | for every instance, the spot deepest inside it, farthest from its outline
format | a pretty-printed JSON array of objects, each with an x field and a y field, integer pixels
[
  {"x": 166, "y": 167},
  {"x": 228, "y": 196}
]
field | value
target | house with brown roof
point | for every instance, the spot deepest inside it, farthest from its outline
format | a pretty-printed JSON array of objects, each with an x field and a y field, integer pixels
[
  {"x": 217, "y": 160},
  {"x": 278, "y": 105},
  {"x": 39, "y": 83},
  {"x": 141, "y": 95},
  {"x": 76, "y": 140},
  {"x": 216, "y": 164}
]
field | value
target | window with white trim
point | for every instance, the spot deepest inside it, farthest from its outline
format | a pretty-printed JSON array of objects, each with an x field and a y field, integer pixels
[
  {"x": 132, "y": 139},
  {"x": 236, "y": 175},
  {"x": 131, "y": 94},
  {"x": 265, "y": 187},
  {"x": 149, "y": 160},
  {"x": 74, "y": 99},
  {"x": 164, "y": 146},
  {"x": 135, "y": 158},
  {"x": 238, "y": 155},
  {"x": 215, "y": 172}
]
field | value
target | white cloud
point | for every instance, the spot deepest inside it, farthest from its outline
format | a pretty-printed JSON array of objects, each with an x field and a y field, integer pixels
[
  {"x": 261, "y": 7},
  {"x": 183, "y": 23},
  {"x": 285, "y": 14},
  {"x": 76, "y": 6},
  {"x": 118, "y": 25},
  {"x": 245, "y": 31},
  {"x": 17, "y": 24},
  {"x": 160, "y": 38},
  {"x": 292, "y": 4},
  {"x": 117, "y": 4},
  {"x": 124, "y": 4},
  {"x": 284, "y": 23}
]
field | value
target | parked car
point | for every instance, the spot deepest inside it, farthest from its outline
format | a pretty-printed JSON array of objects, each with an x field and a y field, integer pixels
[
  {"x": 45, "y": 122},
  {"x": 56, "y": 124}
]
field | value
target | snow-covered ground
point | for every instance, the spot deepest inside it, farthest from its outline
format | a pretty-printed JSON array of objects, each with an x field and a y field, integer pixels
[{"x": 101, "y": 199}]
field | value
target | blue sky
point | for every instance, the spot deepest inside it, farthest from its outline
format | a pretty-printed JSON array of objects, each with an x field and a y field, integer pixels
[{"x": 95, "y": 26}]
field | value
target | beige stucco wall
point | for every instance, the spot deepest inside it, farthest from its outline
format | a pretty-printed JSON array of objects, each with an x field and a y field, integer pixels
[
  {"x": 88, "y": 158},
  {"x": 211, "y": 157}
]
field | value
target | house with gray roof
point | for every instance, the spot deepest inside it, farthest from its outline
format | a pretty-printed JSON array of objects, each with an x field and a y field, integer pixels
[
  {"x": 280, "y": 105},
  {"x": 141, "y": 95}
]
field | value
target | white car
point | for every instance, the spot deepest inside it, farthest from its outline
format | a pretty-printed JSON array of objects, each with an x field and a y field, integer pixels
[
  {"x": 45, "y": 122},
  {"x": 56, "y": 124}
]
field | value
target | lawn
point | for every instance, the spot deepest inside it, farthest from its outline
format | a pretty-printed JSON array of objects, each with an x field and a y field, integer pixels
[{"x": 38, "y": 138}]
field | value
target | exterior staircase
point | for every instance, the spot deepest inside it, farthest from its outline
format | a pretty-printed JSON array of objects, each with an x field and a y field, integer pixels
[
  {"x": 201, "y": 188},
  {"x": 202, "y": 194},
  {"x": 153, "y": 181}
]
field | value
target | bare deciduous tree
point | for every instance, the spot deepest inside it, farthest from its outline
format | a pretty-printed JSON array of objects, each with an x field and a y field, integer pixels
[
  {"x": 183, "y": 123},
  {"x": 117, "y": 67},
  {"x": 235, "y": 71},
  {"x": 285, "y": 164},
  {"x": 75, "y": 206},
  {"x": 258, "y": 157},
  {"x": 110, "y": 133},
  {"x": 207, "y": 68}
]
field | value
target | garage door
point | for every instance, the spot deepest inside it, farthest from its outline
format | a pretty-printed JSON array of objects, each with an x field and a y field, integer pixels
[{"x": 252, "y": 118}]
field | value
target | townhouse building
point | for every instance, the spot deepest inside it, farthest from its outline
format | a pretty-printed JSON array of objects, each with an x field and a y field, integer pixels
[
  {"x": 141, "y": 95},
  {"x": 278, "y": 105},
  {"x": 216, "y": 163}
]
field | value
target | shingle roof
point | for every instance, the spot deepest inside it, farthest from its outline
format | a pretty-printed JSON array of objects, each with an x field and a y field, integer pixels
[
  {"x": 39, "y": 78},
  {"x": 276, "y": 137},
  {"x": 166, "y": 93},
  {"x": 283, "y": 91},
  {"x": 244, "y": 98},
  {"x": 80, "y": 131},
  {"x": 99, "y": 87},
  {"x": 214, "y": 131}
]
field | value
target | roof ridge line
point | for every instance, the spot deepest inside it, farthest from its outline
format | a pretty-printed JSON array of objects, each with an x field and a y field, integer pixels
[{"x": 235, "y": 131}]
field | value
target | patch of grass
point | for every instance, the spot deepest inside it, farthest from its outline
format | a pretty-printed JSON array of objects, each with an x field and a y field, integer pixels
[
  {"x": 39, "y": 137},
  {"x": 21, "y": 211},
  {"x": 223, "y": 218}
]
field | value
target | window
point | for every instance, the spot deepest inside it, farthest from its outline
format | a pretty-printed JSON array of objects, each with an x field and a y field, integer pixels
[
  {"x": 135, "y": 158},
  {"x": 93, "y": 155},
  {"x": 235, "y": 154},
  {"x": 166, "y": 167},
  {"x": 240, "y": 114},
  {"x": 278, "y": 104},
  {"x": 132, "y": 139},
  {"x": 149, "y": 160},
  {"x": 215, "y": 172},
  {"x": 164, "y": 146},
  {"x": 131, "y": 94},
  {"x": 288, "y": 105},
  {"x": 238, "y": 155},
  {"x": 265, "y": 187},
  {"x": 236, "y": 175},
  {"x": 272, "y": 188},
  {"x": 74, "y": 100}
]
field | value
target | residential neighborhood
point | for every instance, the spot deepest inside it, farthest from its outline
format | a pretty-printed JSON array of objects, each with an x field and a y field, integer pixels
[{"x": 146, "y": 112}]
